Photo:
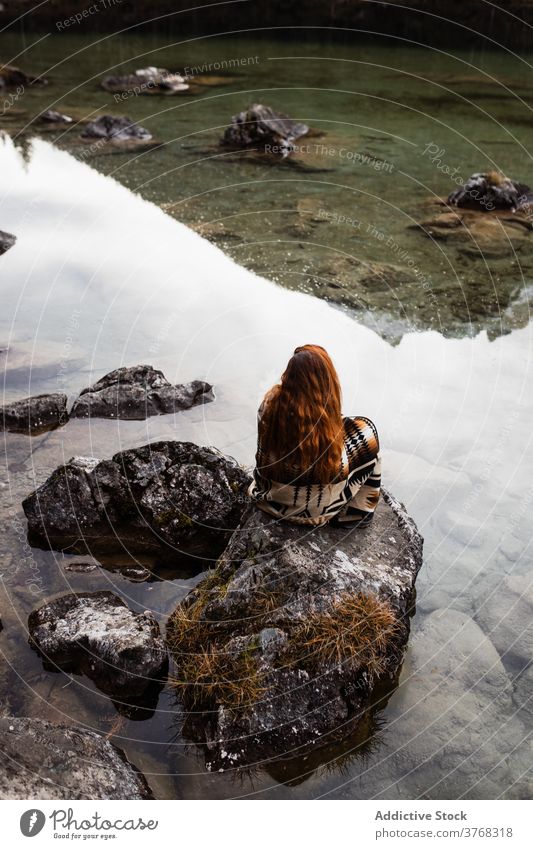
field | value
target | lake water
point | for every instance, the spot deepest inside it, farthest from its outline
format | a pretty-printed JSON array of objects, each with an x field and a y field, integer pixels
[{"x": 101, "y": 276}]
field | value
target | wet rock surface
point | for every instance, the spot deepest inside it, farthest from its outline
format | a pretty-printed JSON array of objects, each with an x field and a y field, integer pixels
[
  {"x": 98, "y": 635},
  {"x": 166, "y": 499},
  {"x": 113, "y": 128},
  {"x": 260, "y": 126},
  {"x": 495, "y": 234},
  {"x": 147, "y": 81},
  {"x": 137, "y": 392},
  {"x": 52, "y": 116},
  {"x": 274, "y": 616},
  {"x": 489, "y": 191},
  {"x": 34, "y": 415},
  {"x": 12, "y": 77},
  {"x": 7, "y": 240},
  {"x": 45, "y": 761}
]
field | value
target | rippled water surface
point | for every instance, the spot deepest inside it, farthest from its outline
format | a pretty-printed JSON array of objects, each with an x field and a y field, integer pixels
[{"x": 101, "y": 276}]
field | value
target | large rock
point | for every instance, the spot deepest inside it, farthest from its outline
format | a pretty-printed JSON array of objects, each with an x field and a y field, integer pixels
[
  {"x": 34, "y": 415},
  {"x": 98, "y": 635},
  {"x": 7, "y": 240},
  {"x": 45, "y": 761},
  {"x": 260, "y": 127},
  {"x": 113, "y": 128},
  {"x": 146, "y": 81},
  {"x": 138, "y": 392},
  {"x": 280, "y": 647},
  {"x": 163, "y": 499}
]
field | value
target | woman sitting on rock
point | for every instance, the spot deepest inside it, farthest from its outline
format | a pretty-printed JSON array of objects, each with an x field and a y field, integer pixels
[{"x": 312, "y": 464}]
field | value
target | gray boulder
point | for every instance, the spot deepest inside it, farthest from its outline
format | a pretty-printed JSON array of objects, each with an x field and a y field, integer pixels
[
  {"x": 279, "y": 649},
  {"x": 137, "y": 392},
  {"x": 163, "y": 499},
  {"x": 98, "y": 635},
  {"x": 261, "y": 127},
  {"x": 113, "y": 128},
  {"x": 7, "y": 240},
  {"x": 45, "y": 761},
  {"x": 34, "y": 415}
]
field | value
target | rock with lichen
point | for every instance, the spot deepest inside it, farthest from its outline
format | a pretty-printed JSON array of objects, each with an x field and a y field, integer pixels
[
  {"x": 165, "y": 499},
  {"x": 262, "y": 128},
  {"x": 137, "y": 392},
  {"x": 41, "y": 760},
  {"x": 34, "y": 415},
  {"x": 116, "y": 129},
  {"x": 96, "y": 634},
  {"x": 281, "y": 646},
  {"x": 489, "y": 191}
]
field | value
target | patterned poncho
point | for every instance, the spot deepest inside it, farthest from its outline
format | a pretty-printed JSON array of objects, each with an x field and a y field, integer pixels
[{"x": 352, "y": 498}]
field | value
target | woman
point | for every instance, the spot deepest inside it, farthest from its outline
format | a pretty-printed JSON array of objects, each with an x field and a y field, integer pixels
[{"x": 312, "y": 464}]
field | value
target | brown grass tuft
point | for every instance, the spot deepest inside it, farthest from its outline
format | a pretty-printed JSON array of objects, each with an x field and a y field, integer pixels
[
  {"x": 359, "y": 628},
  {"x": 213, "y": 677}
]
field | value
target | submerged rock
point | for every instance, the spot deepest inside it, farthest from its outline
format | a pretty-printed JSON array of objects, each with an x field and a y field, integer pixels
[
  {"x": 51, "y": 116},
  {"x": 163, "y": 499},
  {"x": 280, "y": 647},
  {"x": 98, "y": 635},
  {"x": 35, "y": 414},
  {"x": 7, "y": 240},
  {"x": 113, "y": 128},
  {"x": 505, "y": 613},
  {"x": 137, "y": 392},
  {"x": 489, "y": 191},
  {"x": 147, "y": 81},
  {"x": 496, "y": 235},
  {"x": 260, "y": 127},
  {"x": 11, "y": 77},
  {"x": 45, "y": 761}
]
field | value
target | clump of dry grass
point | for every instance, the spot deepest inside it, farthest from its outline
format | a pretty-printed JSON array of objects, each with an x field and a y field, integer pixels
[
  {"x": 358, "y": 628},
  {"x": 207, "y": 675},
  {"x": 215, "y": 677}
]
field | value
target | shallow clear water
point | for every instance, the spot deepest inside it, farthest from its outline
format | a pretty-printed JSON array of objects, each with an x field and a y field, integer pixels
[{"x": 100, "y": 278}]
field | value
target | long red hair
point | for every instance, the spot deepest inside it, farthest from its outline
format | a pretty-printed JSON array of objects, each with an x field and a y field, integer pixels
[{"x": 301, "y": 427}]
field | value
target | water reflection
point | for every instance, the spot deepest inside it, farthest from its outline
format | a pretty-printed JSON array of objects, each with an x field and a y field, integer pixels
[{"x": 101, "y": 278}]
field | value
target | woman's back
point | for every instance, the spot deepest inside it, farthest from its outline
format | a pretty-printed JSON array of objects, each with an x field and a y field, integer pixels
[{"x": 313, "y": 464}]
